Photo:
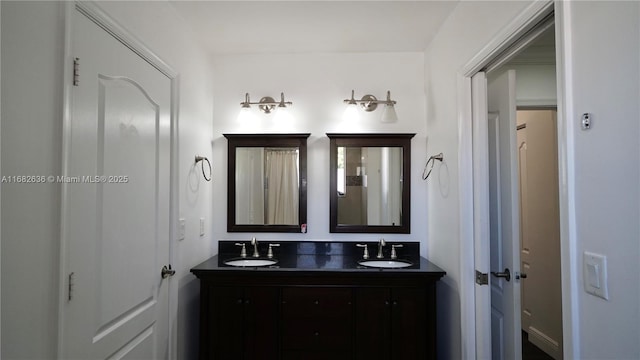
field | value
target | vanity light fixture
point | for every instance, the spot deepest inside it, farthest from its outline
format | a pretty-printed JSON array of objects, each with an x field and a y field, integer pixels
[
  {"x": 267, "y": 104},
  {"x": 370, "y": 103},
  {"x": 283, "y": 115}
]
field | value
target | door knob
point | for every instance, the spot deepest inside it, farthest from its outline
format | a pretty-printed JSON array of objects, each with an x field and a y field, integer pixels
[
  {"x": 167, "y": 271},
  {"x": 506, "y": 274}
]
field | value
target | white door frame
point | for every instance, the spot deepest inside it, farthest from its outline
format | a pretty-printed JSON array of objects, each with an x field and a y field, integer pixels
[
  {"x": 470, "y": 142},
  {"x": 98, "y": 16}
]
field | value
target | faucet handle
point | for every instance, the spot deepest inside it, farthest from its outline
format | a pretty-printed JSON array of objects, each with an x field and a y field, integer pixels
[
  {"x": 365, "y": 255},
  {"x": 270, "y": 253},
  {"x": 394, "y": 255},
  {"x": 243, "y": 252}
]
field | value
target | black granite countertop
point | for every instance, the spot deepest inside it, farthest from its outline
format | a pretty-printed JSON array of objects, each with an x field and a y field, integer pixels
[{"x": 313, "y": 257}]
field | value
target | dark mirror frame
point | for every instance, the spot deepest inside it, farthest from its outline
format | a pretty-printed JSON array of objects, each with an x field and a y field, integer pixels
[
  {"x": 266, "y": 140},
  {"x": 370, "y": 140}
]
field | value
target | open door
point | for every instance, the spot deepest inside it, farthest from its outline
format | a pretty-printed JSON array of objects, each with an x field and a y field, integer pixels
[
  {"x": 482, "y": 263},
  {"x": 504, "y": 219}
]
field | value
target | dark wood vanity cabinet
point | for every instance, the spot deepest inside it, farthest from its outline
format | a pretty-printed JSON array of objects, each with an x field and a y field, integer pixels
[
  {"x": 316, "y": 322},
  {"x": 318, "y": 302},
  {"x": 337, "y": 321},
  {"x": 400, "y": 323},
  {"x": 239, "y": 322}
]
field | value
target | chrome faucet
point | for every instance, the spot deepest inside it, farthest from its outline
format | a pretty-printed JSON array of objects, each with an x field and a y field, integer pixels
[
  {"x": 381, "y": 244},
  {"x": 254, "y": 242}
]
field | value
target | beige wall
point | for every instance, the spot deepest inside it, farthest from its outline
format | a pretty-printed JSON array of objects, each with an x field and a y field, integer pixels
[{"x": 540, "y": 230}]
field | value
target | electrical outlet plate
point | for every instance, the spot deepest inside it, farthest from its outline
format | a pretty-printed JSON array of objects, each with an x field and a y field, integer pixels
[
  {"x": 181, "y": 229},
  {"x": 595, "y": 275},
  {"x": 201, "y": 226}
]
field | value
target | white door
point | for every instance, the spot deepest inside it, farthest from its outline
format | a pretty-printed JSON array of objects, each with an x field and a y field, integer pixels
[
  {"x": 525, "y": 248},
  {"x": 481, "y": 229},
  {"x": 504, "y": 219},
  {"x": 116, "y": 203}
]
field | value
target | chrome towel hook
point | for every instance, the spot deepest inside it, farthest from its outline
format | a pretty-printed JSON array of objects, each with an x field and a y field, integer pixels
[{"x": 432, "y": 160}]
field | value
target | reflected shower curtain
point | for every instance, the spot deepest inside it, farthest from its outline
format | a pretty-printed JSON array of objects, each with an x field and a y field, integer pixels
[
  {"x": 282, "y": 192},
  {"x": 250, "y": 186}
]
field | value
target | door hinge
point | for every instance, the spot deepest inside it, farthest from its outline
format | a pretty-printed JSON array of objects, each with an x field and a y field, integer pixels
[
  {"x": 76, "y": 71},
  {"x": 70, "y": 285},
  {"x": 482, "y": 278}
]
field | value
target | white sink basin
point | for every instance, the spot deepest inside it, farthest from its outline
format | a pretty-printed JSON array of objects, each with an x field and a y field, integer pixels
[
  {"x": 250, "y": 262},
  {"x": 386, "y": 264}
]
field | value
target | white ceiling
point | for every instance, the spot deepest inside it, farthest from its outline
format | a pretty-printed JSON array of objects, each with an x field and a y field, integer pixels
[{"x": 237, "y": 27}]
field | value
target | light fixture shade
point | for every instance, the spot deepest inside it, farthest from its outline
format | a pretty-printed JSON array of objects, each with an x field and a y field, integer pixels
[
  {"x": 246, "y": 116},
  {"x": 283, "y": 116},
  {"x": 389, "y": 114},
  {"x": 351, "y": 113}
]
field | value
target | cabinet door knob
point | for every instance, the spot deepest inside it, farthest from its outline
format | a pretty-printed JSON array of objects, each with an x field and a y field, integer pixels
[{"x": 317, "y": 302}]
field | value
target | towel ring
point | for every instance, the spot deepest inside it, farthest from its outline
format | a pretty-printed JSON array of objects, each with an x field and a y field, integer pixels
[
  {"x": 203, "y": 159},
  {"x": 431, "y": 160}
]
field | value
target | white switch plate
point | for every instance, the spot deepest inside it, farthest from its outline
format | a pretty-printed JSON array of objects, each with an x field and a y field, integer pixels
[
  {"x": 595, "y": 275},
  {"x": 201, "y": 226},
  {"x": 181, "y": 229}
]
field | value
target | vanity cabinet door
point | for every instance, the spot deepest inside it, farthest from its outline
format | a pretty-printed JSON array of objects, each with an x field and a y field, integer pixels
[
  {"x": 261, "y": 323},
  {"x": 240, "y": 323},
  {"x": 409, "y": 325},
  {"x": 373, "y": 318},
  {"x": 392, "y": 323},
  {"x": 317, "y": 323}
]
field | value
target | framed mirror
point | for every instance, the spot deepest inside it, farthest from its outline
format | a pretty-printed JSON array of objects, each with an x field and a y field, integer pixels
[
  {"x": 370, "y": 183},
  {"x": 267, "y": 182}
]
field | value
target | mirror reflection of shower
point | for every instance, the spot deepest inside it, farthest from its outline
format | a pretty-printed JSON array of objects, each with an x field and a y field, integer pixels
[
  {"x": 267, "y": 181},
  {"x": 369, "y": 185}
]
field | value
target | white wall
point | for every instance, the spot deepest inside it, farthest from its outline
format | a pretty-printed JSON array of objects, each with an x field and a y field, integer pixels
[
  {"x": 317, "y": 84},
  {"x": 31, "y": 145},
  {"x": 467, "y": 30},
  {"x": 603, "y": 78},
  {"x": 535, "y": 84},
  {"x": 32, "y": 53}
]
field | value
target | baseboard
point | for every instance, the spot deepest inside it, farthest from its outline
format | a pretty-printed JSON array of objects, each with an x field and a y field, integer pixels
[{"x": 544, "y": 342}]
